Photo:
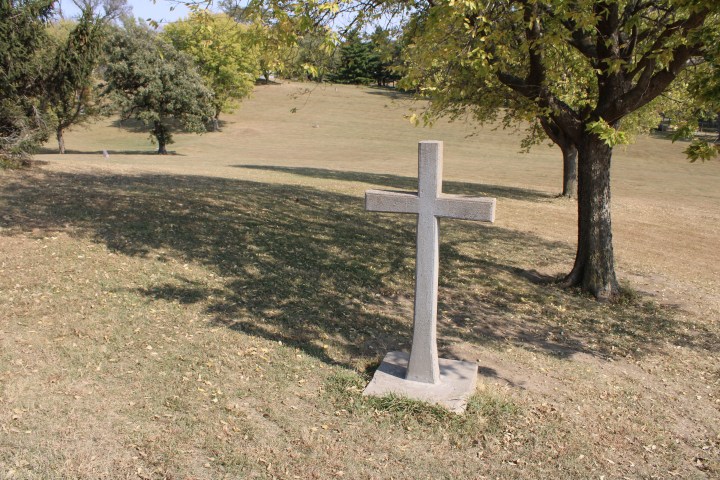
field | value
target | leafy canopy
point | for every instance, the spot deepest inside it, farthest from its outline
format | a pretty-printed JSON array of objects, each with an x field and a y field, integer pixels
[
  {"x": 273, "y": 32},
  {"x": 150, "y": 81},
  {"x": 223, "y": 51},
  {"x": 591, "y": 66}
]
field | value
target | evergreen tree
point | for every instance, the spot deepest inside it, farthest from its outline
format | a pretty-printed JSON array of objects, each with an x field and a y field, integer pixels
[
  {"x": 71, "y": 89},
  {"x": 24, "y": 119},
  {"x": 357, "y": 62},
  {"x": 386, "y": 57}
]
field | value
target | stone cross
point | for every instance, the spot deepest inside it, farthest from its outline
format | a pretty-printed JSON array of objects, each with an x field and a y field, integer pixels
[{"x": 429, "y": 204}]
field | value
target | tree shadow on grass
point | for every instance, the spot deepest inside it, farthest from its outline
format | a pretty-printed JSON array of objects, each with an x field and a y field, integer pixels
[
  {"x": 407, "y": 183},
  {"x": 261, "y": 82},
  {"x": 309, "y": 267},
  {"x": 111, "y": 152},
  {"x": 390, "y": 92}
]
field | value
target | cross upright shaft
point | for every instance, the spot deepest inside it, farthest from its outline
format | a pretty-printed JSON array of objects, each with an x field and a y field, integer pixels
[{"x": 429, "y": 204}]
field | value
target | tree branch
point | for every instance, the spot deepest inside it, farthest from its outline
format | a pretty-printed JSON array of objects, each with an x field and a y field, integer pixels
[
  {"x": 679, "y": 27},
  {"x": 649, "y": 86},
  {"x": 579, "y": 40},
  {"x": 560, "y": 112},
  {"x": 533, "y": 34}
]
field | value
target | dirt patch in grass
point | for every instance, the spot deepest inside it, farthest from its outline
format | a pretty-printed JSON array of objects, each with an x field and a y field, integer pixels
[{"x": 207, "y": 316}]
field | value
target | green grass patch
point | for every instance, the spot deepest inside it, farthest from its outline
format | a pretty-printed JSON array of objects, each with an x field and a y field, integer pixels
[{"x": 487, "y": 413}]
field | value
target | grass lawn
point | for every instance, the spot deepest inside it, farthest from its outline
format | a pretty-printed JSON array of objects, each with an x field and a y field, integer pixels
[{"x": 216, "y": 313}]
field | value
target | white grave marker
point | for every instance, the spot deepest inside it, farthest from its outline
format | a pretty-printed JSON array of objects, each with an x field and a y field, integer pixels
[{"x": 423, "y": 375}]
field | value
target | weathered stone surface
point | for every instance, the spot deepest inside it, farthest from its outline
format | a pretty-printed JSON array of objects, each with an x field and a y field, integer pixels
[
  {"x": 465, "y": 208},
  {"x": 457, "y": 383},
  {"x": 428, "y": 203},
  {"x": 390, "y": 202}
]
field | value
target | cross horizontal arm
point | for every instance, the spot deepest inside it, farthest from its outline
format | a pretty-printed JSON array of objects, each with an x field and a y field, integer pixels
[
  {"x": 465, "y": 208},
  {"x": 393, "y": 202}
]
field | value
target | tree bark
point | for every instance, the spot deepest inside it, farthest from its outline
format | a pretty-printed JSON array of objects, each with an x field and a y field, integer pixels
[
  {"x": 570, "y": 170},
  {"x": 216, "y": 120},
  {"x": 594, "y": 269},
  {"x": 160, "y": 133},
  {"x": 60, "y": 134},
  {"x": 569, "y": 152}
]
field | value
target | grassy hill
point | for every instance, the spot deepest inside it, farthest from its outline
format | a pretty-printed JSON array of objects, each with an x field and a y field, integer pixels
[{"x": 216, "y": 313}]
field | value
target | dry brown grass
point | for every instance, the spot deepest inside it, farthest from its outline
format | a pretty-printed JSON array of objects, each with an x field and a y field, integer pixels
[{"x": 216, "y": 313}]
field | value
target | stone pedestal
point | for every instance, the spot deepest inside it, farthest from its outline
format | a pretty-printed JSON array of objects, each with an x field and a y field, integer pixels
[{"x": 457, "y": 383}]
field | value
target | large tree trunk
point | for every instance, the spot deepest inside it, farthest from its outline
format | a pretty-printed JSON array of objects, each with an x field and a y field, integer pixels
[
  {"x": 570, "y": 170},
  {"x": 60, "y": 134},
  {"x": 594, "y": 269},
  {"x": 162, "y": 147},
  {"x": 161, "y": 135}
]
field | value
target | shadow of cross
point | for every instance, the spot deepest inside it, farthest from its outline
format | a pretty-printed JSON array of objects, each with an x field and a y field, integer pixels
[{"x": 429, "y": 203}]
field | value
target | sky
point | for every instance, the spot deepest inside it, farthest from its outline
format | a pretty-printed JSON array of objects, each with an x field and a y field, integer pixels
[{"x": 159, "y": 11}]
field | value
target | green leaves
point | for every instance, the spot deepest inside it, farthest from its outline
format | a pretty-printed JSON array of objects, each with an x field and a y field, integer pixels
[
  {"x": 223, "y": 52},
  {"x": 24, "y": 118},
  {"x": 607, "y": 133},
  {"x": 684, "y": 131},
  {"x": 71, "y": 85},
  {"x": 149, "y": 80},
  {"x": 701, "y": 150}
]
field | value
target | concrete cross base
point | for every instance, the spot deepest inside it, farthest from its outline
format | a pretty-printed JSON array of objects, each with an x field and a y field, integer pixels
[{"x": 458, "y": 380}]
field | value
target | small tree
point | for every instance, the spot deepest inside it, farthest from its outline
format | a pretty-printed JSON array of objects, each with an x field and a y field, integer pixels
[
  {"x": 150, "y": 81},
  {"x": 223, "y": 52},
  {"x": 272, "y": 50},
  {"x": 71, "y": 85}
]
